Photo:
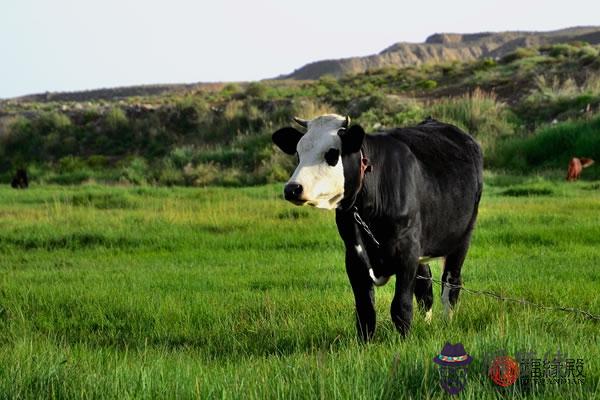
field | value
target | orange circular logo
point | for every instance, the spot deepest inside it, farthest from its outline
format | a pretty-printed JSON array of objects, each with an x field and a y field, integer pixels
[{"x": 504, "y": 371}]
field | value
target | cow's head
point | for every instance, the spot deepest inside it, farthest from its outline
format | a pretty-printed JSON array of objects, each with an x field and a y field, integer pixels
[{"x": 329, "y": 163}]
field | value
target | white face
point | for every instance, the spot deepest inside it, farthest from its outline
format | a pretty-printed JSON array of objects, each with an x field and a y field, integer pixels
[{"x": 320, "y": 174}]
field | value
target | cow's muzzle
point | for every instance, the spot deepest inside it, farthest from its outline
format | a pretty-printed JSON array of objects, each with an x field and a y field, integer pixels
[{"x": 293, "y": 192}]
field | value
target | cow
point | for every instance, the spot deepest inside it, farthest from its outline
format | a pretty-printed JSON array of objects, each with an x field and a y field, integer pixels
[
  {"x": 401, "y": 197},
  {"x": 576, "y": 165},
  {"x": 20, "y": 180}
]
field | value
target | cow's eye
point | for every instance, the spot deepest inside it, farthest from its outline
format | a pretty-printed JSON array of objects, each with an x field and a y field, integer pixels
[{"x": 332, "y": 156}]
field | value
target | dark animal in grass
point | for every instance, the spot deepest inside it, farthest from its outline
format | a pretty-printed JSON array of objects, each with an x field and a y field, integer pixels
[
  {"x": 576, "y": 165},
  {"x": 415, "y": 189},
  {"x": 20, "y": 180}
]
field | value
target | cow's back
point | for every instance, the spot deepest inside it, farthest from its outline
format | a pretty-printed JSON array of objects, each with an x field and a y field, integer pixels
[
  {"x": 450, "y": 182},
  {"x": 441, "y": 148}
]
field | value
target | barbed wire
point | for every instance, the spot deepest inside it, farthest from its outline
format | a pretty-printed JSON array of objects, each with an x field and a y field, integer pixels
[{"x": 524, "y": 302}]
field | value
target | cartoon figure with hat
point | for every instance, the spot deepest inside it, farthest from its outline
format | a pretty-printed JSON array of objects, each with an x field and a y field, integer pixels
[{"x": 453, "y": 362}]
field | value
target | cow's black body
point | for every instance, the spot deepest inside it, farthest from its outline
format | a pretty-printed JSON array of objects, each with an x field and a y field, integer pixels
[{"x": 420, "y": 199}]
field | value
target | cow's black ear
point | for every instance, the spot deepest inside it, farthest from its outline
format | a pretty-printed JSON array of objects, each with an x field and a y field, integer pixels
[
  {"x": 352, "y": 139},
  {"x": 286, "y": 139}
]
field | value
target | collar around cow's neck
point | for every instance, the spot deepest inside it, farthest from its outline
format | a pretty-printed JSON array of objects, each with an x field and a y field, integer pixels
[{"x": 364, "y": 167}]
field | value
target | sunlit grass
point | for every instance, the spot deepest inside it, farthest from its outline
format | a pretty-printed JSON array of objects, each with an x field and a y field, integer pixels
[{"x": 157, "y": 292}]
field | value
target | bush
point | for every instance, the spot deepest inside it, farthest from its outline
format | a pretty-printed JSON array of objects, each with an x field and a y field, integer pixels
[
  {"x": 71, "y": 164},
  {"x": 561, "y": 50},
  {"x": 555, "y": 98},
  {"x": 182, "y": 156},
  {"x": 485, "y": 64},
  {"x": 202, "y": 174},
  {"x": 188, "y": 114},
  {"x": 479, "y": 113},
  {"x": 52, "y": 121},
  {"x": 257, "y": 90},
  {"x": 232, "y": 177},
  {"x": 136, "y": 171},
  {"x": 170, "y": 176},
  {"x": 427, "y": 84},
  {"x": 116, "y": 119},
  {"x": 97, "y": 162},
  {"x": 70, "y": 178},
  {"x": 520, "y": 53},
  {"x": 551, "y": 147}
]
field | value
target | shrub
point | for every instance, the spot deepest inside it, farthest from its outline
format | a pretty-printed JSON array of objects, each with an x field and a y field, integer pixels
[
  {"x": 427, "y": 84},
  {"x": 257, "y": 90},
  {"x": 71, "y": 164},
  {"x": 485, "y": 64},
  {"x": 230, "y": 89},
  {"x": 52, "y": 121},
  {"x": 70, "y": 178},
  {"x": 136, "y": 171},
  {"x": 202, "y": 174},
  {"x": 588, "y": 53},
  {"x": 170, "y": 176},
  {"x": 116, "y": 119},
  {"x": 181, "y": 156},
  {"x": 97, "y": 162},
  {"x": 549, "y": 147},
  {"x": 277, "y": 168},
  {"x": 188, "y": 113},
  {"x": 232, "y": 177},
  {"x": 479, "y": 113},
  {"x": 520, "y": 53},
  {"x": 555, "y": 98},
  {"x": 562, "y": 50},
  {"x": 309, "y": 108}
]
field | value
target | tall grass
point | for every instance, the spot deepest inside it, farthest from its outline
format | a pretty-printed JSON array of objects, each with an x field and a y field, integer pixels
[
  {"x": 551, "y": 147},
  {"x": 479, "y": 113},
  {"x": 556, "y": 98}
]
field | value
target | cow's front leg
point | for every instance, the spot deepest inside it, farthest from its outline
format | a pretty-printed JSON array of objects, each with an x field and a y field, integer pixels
[
  {"x": 364, "y": 294},
  {"x": 402, "y": 304},
  {"x": 424, "y": 290}
]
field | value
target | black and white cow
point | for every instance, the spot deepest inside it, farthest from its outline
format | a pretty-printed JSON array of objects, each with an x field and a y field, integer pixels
[{"x": 415, "y": 189}]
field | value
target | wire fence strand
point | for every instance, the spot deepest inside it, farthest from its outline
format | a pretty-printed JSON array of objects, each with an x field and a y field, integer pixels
[{"x": 524, "y": 302}]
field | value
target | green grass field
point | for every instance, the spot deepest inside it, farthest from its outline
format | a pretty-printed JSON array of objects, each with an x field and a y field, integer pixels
[{"x": 234, "y": 293}]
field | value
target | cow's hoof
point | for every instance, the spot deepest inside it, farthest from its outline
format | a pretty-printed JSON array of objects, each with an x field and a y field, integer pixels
[
  {"x": 428, "y": 316},
  {"x": 449, "y": 313}
]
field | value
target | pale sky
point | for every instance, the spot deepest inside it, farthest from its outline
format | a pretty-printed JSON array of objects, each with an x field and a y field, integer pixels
[{"x": 65, "y": 45}]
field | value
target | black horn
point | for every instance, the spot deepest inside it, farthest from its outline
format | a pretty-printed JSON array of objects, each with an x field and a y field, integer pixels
[{"x": 301, "y": 122}]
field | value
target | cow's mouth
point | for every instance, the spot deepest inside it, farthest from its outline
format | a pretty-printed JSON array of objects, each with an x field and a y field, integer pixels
[
  {"x": 299, "y": 202},
  {"x": 328, "y": 203},
  {"x": 336, "y": 199}
]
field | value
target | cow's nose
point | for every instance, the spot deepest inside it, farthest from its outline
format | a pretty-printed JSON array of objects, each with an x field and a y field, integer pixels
[{"x": 292, "y": 191}]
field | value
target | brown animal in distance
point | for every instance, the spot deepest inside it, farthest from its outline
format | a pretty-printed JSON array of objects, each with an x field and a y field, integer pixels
[{"x": 576, "y": 165}]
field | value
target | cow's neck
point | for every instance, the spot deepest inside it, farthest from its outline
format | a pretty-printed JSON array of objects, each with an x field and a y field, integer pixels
[{"x": 356, "y": 168}]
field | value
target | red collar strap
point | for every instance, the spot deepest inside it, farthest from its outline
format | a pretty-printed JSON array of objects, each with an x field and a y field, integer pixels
[{"x": 364, "y": 166}]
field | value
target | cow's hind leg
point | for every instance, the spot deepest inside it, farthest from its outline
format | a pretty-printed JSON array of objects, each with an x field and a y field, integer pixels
[
  {"x": 364, "y": 296},
  {"x": 451, "y": 276},
  {"x": 424, "y": 290}
]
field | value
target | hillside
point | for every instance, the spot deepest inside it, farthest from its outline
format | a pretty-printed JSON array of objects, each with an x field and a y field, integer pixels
[
  {"x": 531, "y": 110},
  {"x": 445, "y": 47},
  {"x": 437, "y": 48}
]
